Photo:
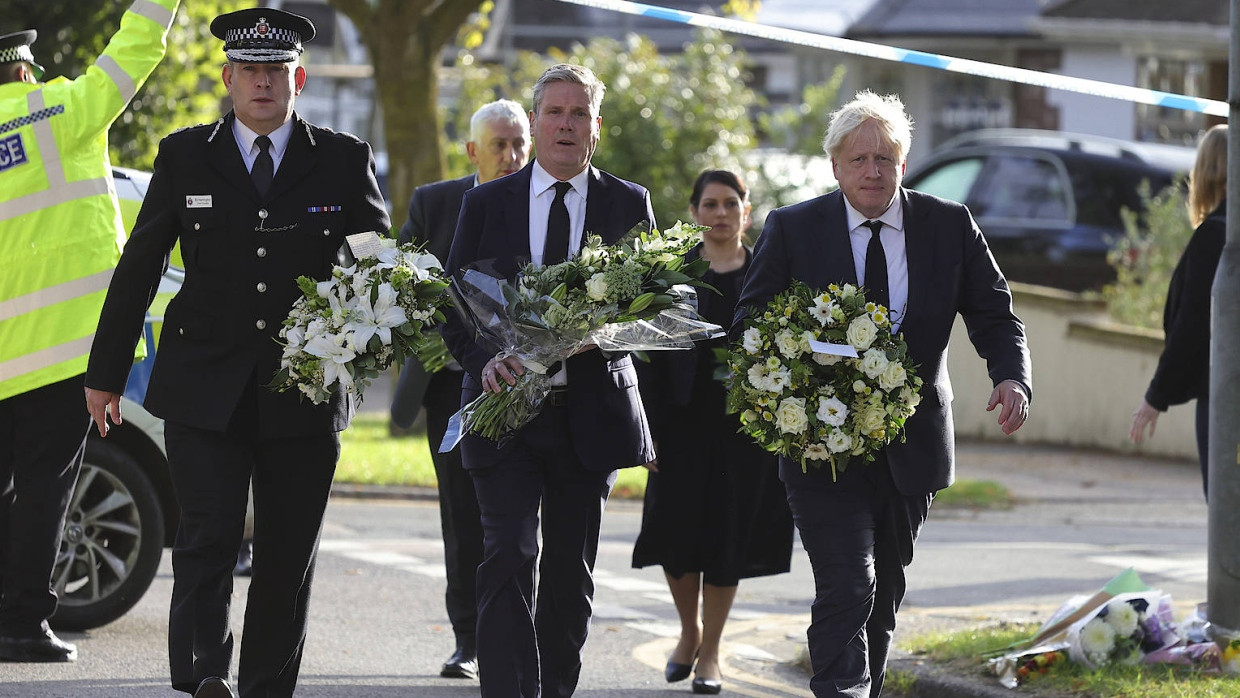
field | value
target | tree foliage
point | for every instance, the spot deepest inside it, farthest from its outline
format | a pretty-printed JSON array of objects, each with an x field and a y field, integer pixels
[
  {"x": 184, "y": 90},
  {"x": 665, "y": 117},
  {"x": 1145, "y": 257}
]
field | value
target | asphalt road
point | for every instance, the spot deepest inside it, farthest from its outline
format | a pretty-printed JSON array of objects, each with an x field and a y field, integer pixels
[{"x": 378, "y": 628}]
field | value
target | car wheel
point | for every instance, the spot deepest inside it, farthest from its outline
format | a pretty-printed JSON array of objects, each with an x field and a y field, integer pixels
[{"x": 113, "y": 540}]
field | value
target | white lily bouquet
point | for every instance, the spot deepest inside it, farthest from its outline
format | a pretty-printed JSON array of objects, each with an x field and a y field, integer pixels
[
  {"x": 634, "y": 295},
  {"x": 347, "y": 329},
  {"x": 818, "y": 377}
]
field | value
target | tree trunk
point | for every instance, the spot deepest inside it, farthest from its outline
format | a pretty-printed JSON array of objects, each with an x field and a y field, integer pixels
[{"x": 405, "y": 39}]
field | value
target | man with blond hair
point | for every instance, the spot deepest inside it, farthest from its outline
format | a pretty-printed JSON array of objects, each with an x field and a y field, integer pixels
[{"x": 925, "y": 259}]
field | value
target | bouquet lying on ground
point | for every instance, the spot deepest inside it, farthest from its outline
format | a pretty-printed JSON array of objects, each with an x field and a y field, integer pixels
[
  {"x": 634, "y": 295},
  {"x": 818, "y": 377},
  {"x": 1124, "y": 622},
  {"x": 347, "y": 329}
]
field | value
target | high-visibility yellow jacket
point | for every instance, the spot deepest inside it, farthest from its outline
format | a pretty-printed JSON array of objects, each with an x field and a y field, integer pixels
[{"x": 60, "y": 225}]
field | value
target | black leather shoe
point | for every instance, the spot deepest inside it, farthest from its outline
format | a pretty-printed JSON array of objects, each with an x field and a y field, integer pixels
[
  {"x": 708, "y": 687},
  {"x": 245, "y": 559},
  {"x": 41, "y": 648},
  {"x": 214, "y": 687},
  {"x": 677, "y": 672},
  {"x": 463, "y": 664}
]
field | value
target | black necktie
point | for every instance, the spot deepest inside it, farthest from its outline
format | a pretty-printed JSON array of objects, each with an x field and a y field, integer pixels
[
  {"x": 264, "y": 169},
  {"x": 876, "y": 267},
  {"x": 555, "y": 249}
]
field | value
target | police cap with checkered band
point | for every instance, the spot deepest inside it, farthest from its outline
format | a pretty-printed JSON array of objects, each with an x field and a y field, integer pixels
[
  {"x": 262, "y": 35},
  {"x": 16, "y": 47}
]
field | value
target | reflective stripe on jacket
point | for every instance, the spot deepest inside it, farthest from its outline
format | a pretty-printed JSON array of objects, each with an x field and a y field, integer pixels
[{"x": 60, "y": 225}]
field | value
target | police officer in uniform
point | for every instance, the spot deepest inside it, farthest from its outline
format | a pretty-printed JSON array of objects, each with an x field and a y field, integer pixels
[
  {"x": 60, "y": 237},
  {"x": 256, "y": 199}
]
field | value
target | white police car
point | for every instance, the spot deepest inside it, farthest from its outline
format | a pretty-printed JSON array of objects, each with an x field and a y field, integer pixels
[{"x": 123, "y": 512}]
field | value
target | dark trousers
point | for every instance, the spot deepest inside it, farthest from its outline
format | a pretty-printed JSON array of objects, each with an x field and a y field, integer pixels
[
  {"x": 859, "y": 533},
  {"x": 211, "y": 473},
  {"x": 459, "y": 516},
  {"x": 531, "y": 648},
  {"x": 42, "y": 441}
]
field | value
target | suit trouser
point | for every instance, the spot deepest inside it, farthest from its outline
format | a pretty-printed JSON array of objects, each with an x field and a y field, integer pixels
[
  {"x": 42, "y": 440},
  {"x": 459, "y": 516},
  {"x": 531, "y": 648},
  {"x": 211, "y": 472},
  {"x": 859, "y": 533}
]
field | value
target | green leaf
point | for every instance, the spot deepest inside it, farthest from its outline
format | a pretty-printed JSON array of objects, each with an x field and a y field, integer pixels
[{"x": 641, "y": 302}]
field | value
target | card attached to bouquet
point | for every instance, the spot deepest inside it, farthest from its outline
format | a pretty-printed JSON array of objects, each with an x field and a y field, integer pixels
[
  {"x": 365, "y": 244},
  {"x": 834, "y": 349}
]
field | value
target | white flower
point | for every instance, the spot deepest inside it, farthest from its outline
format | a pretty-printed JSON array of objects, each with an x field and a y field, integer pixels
[
  {"x": 779, "y": 379},
  {"x": 910, "y": 397},
  {"x": 596, "y": 287},
  {"x": 749, "y": 417},
  {"x": 790, "y": 415},
  {"x": 824, "y": 310},
  {"x": 377, "y": 319},
  {"x": 788, "y": 343},
  {"x": 862, "y": 332},
  {"x": 893, "y": 376},
  {"x": 1097, "y": 641},
  {"x": 871, "y": 420},
  {"x": 838, "y": 441},
  {"x": 817, "y": 451},
  {"x": 1123, "y": 618},
  {"x": 832, "y": 411},
  {"x": 751, "y": 341},
  {"x": 337, "y": 354},
  {"x": 873, "y": 363},
  {"x": 825, "y": 359}
]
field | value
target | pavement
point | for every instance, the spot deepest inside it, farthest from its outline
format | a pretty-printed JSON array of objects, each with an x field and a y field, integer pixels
[{"x": 1052, "y": 484}]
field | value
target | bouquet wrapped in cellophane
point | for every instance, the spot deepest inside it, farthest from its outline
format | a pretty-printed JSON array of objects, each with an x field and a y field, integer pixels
[
  {"x": 637, "y": 294},
  {"x": 345, "y": 330},
  {"x": 818, "y": 377}
]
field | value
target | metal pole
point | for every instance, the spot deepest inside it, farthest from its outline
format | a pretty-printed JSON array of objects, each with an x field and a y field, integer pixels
[{"x": 1224, "y": 538}]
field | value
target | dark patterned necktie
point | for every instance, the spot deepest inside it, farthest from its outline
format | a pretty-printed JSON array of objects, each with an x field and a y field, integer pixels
[
  {"x": 264, "y": 169},
  {"x": 876, "y": 268},
  {"x": 555, "y": 248}
]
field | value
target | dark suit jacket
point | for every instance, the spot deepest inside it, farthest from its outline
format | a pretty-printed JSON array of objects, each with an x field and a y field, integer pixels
[
  {"x": 950, "y": 272},
  {"x": 1183, "y": 371},
  {"x": 433, "y": 210},
  {"x": 220, "y": 330},
  {"x": 609, "y": 427}
]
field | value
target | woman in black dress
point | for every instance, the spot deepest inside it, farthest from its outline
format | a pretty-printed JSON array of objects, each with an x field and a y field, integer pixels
[
  {"x": 1183, "y": 371},
  {"x": 715, "y": 511}
]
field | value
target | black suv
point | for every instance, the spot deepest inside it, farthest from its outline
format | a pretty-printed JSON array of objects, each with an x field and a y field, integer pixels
[{"x": 1048, "y": 202}]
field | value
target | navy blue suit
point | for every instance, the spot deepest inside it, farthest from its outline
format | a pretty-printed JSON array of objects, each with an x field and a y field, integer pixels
[
  {"x": 565, "y": 460},
  {"x": 859, "y": 532}
]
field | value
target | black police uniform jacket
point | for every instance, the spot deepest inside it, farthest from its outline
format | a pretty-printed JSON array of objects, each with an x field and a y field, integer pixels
[{"x": 243, "y": 254}]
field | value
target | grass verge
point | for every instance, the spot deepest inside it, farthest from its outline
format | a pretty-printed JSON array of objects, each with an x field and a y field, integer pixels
[
  {"x": 369, "y": 455},
  {"x": 961, "y": 653}
]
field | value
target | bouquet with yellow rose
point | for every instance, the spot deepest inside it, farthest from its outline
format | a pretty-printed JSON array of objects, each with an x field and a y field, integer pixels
[{"x": 818, "y": 377}]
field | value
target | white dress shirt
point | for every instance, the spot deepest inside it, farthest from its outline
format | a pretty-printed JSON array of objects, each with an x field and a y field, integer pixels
[
  {"x": 892, "y": 238},
  {"x": 245, "y": 138},
  {"x": 542, "y": 193}
]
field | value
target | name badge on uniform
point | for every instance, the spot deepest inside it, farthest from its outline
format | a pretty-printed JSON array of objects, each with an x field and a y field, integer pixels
[
  {"x": 198, "y": 201},
  {"x": 12, "y": 152}
]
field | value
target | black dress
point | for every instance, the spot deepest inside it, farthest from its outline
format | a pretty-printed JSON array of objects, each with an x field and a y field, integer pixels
[{"x": 716, "y": 506}]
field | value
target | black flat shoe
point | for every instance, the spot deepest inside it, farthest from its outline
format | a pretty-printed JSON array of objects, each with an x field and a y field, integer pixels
[
  {"x": 707, "y": 687},
  {"x": 677, "y": 672}
]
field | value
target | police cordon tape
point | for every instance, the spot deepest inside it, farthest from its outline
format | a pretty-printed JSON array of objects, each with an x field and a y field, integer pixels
[{"x": 920, "y": 58}]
